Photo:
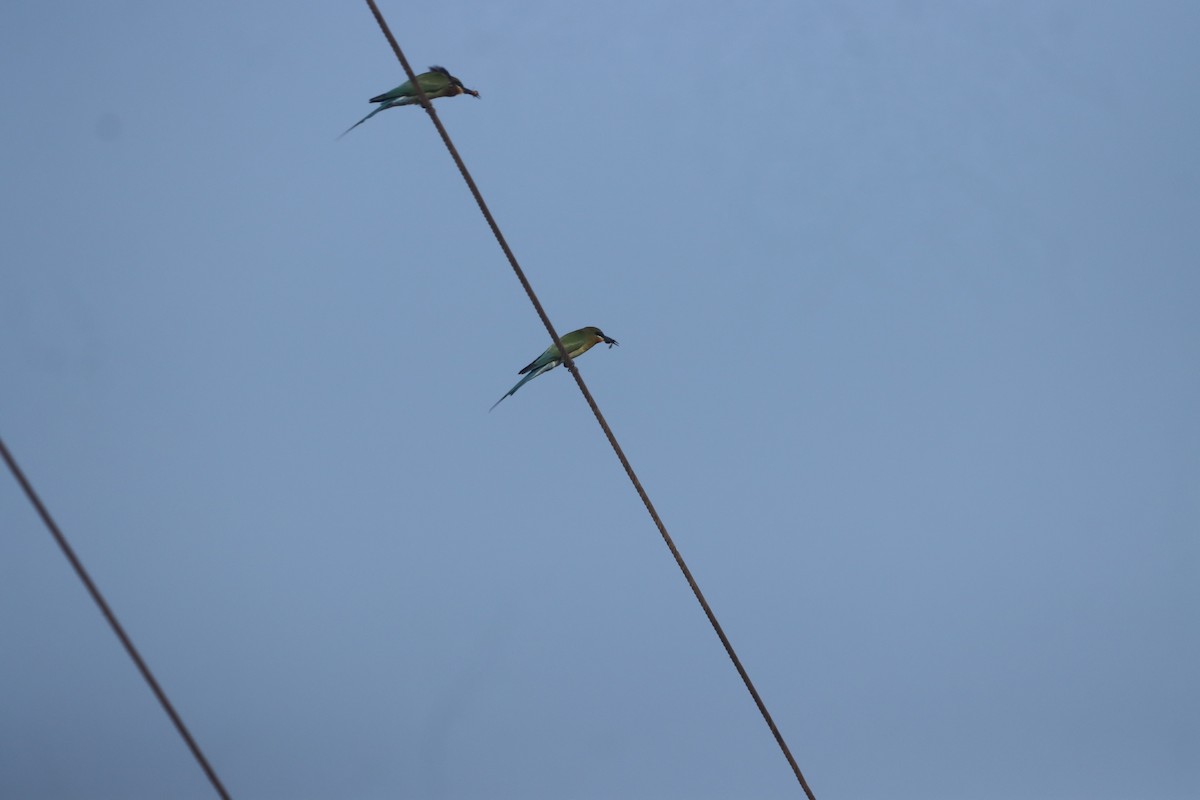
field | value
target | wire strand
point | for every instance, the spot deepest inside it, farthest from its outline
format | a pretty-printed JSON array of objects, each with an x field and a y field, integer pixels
[
  {"x": 570, "y": 365},
  {"x": 69, "y": 552}
]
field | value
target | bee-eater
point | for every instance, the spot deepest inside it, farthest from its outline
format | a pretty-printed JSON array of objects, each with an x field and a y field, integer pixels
[
  {"x": 438, "y": 82},
  {"x": 577, "y": 343}
]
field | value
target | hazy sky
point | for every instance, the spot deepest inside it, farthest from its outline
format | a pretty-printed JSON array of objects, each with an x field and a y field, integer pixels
[{"x": 907, "y": 301}]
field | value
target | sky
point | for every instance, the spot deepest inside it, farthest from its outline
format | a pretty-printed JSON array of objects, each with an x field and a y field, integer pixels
[{"x": 906, "y": 295}]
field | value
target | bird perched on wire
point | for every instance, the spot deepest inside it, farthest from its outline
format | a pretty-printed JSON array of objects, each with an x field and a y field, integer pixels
[
  {"x": 577, "y": 343},
  {"x": 438, "y": 82}
]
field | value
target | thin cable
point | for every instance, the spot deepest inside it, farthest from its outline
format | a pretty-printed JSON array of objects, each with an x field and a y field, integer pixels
[
  {"x": 112, "y": 620},
  {"x": 570, "y": 365}
]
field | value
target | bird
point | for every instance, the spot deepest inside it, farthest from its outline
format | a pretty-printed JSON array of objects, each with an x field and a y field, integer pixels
[
  {"x": 438, "y": 82},
  {"x": 577, "y": 343}
]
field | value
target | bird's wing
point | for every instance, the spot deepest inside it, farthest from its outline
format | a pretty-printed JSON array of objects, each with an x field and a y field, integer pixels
[
  {"x": 403, "y": 90},
  {"x": 548, "y": 355},
  {"x": 434, "y": 83},
  {"x": 573, "y": 341}
]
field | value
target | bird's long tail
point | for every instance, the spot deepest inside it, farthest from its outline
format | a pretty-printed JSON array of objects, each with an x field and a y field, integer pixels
[
  {"x": 364, "y": 119},
  {"x": 533, "y": 374}
]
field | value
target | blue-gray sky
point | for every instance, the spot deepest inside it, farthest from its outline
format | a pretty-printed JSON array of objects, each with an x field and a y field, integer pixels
[{"x": 906, "y": 293}]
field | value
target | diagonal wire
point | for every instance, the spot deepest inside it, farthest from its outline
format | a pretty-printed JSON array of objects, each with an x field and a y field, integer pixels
[
  {"x": 570, "y": 365},
  {"x": 112, "y": 620}
]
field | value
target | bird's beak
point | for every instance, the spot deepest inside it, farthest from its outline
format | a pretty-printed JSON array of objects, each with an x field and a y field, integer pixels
[
  {"x": 471, "y": 92},
  {"x": 610, "y": 342}
]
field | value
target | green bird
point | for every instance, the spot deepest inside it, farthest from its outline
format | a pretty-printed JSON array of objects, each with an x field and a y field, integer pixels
[
  {"x": 577, "y": 343},
  {"x": 438, "y": 82}
]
